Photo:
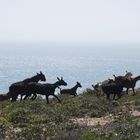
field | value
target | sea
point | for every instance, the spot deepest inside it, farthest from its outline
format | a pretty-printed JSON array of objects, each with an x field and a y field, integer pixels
[{"x": 86, "y": 64}]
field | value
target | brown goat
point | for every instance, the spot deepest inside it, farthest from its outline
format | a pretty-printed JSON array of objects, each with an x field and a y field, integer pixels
[
  {"x": 4, "y": 97},
  {"x": 127, "y": 83}
]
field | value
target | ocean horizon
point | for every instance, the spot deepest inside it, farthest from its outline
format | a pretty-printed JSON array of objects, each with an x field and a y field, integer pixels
[{"x": 87, "y": 65}]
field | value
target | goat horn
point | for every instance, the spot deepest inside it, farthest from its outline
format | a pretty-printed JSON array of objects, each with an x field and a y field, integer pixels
[
  {"x": 58, "y": 78},
  {"x": 114, "y": 76}
]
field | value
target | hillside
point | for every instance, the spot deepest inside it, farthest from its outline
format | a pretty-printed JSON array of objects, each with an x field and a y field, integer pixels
[{"x": 85, "y": 117}]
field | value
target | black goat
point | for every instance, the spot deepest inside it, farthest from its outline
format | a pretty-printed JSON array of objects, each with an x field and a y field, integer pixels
[
  {"x": 20, "y": 87},
  {"x": 98, "y": 86},
  {"x": 112, "y": 88},
  {"x": 44, "y": 89},
  {"x": 71, "y": 91}
]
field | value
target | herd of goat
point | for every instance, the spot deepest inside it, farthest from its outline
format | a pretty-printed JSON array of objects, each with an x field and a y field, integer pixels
[{"x": 32, "y": 87}]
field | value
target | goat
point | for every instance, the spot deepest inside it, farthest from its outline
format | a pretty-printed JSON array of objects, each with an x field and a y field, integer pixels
[
  {"x": 128, "y": 75},
  {"x": 19, "y": 87},
  {"x": 99, "y": 84},
  {"x": 4, "y": 97},
  {"x": 71, "y": 91},
  {"x": 127, "y": 83},
  {"x": 44, "y": 89},
  {"x": 108, "y": 81},
  {"x": 108, "y": 89}
]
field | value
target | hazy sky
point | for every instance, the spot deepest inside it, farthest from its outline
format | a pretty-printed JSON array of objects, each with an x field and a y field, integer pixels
[{"x": 70, "y": 21}]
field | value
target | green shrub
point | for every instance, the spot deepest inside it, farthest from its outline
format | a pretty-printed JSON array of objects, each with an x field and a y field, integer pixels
[
  {"x": 96, "y": 136},
  {"x": 20, "y": 116},
  {"x": 4, "y": 126},
  {"x": 32, "y": 132},
  {"x": 37, "y": 120},
  {"x": 128, "y": 127},
  {"x": 37, "y": 106}
]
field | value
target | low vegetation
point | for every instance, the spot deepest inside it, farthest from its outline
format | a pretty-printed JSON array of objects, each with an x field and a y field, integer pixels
[{"x": 38, "y": 120}]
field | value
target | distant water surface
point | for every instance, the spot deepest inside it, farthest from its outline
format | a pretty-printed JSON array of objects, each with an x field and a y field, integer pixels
[{"x": 87, "y": 66}]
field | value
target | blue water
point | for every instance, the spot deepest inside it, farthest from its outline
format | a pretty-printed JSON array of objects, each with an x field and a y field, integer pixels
[{"x": 87, "y": 66}]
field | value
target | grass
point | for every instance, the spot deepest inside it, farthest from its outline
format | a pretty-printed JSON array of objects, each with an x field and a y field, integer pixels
[{"x": 38, "y": 120}]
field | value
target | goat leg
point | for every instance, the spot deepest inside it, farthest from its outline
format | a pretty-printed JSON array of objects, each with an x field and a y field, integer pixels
[
  {"x": 127, "y": 90},
  {"x": 75, "y": 94},
  {"x": 14, "y": 98},
  {"x": 114, "y": 96},
  {"x": 22, "y": 94},
  {"x": 57, "y": 98},
  {"x": 47, "y": 99},
  {"x": 108, "y": 96},
  {"x": 26, "y": 96},
  {"x": 119, "y": 95},
  {"x": 21, "y": 97},
  {"x": 34, "y": 96},
  {"x": 133, "y": 91}
]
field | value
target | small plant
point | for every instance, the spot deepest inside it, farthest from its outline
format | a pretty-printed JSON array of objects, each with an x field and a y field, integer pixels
[
  {"x": 96, "y": 136},
  {"x": 4, "y": 126},
  {"x": 32, "y": 132},
  {"x": 20, "y": 116},
  {"x": 128, "y": 127},
  {"x": 37, "y": 120}
]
